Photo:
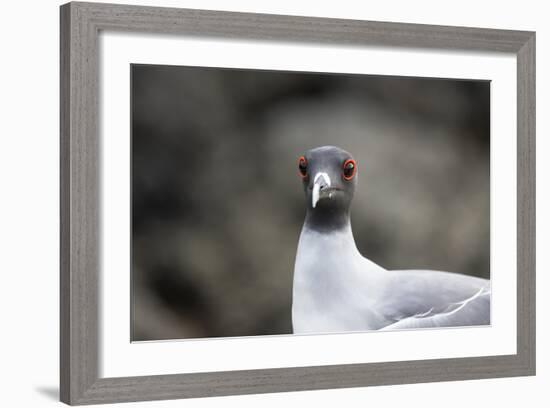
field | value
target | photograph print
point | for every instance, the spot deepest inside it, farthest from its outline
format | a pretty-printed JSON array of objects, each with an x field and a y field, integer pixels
[{"x": 287, "y": 203}]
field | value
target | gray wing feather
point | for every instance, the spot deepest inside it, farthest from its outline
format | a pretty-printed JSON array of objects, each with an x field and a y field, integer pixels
[
  {"x": 469, "y": 312},
  {"x": 423, "y": 299}
]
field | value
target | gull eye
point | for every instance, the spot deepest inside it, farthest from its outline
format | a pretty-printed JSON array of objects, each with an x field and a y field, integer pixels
[
  {"x": 349, "y": 169},
  {"x": 302, "y": 166}
]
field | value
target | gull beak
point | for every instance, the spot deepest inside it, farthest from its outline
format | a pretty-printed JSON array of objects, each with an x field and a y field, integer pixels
[{"x": 320, "y": 182}]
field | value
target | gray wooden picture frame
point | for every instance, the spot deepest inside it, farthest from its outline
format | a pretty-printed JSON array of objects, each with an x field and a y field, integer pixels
[{"x": 80, "y": 157}]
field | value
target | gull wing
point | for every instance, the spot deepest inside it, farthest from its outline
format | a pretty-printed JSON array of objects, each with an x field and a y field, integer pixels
[
  {"x": 469, "y": 312},
  {"x": 424, "y": 299}
]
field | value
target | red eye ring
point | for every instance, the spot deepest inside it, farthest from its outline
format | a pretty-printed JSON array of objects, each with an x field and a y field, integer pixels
[
  {"x": 302, "y": 167},
  {"x": 349, "y": 169}
]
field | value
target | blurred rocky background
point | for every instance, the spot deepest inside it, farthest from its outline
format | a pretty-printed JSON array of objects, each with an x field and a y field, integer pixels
[{"x": 217, "y": 204}]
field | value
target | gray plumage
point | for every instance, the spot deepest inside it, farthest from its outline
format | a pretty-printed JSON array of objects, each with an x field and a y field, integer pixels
[{"x": 337, "y": 289}]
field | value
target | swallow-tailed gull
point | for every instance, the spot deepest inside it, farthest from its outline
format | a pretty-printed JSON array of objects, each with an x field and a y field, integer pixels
[{"x": 336, "y": 289}]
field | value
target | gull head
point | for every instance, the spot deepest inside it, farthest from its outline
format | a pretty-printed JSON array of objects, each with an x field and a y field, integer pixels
[{"x": 329, "y": 177}]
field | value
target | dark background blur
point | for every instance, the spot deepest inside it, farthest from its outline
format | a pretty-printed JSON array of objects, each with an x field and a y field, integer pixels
[{"x": 217, "y": 204}]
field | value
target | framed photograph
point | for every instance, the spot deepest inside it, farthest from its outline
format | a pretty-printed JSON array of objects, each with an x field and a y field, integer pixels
[{"x": 259, "y": 203}]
